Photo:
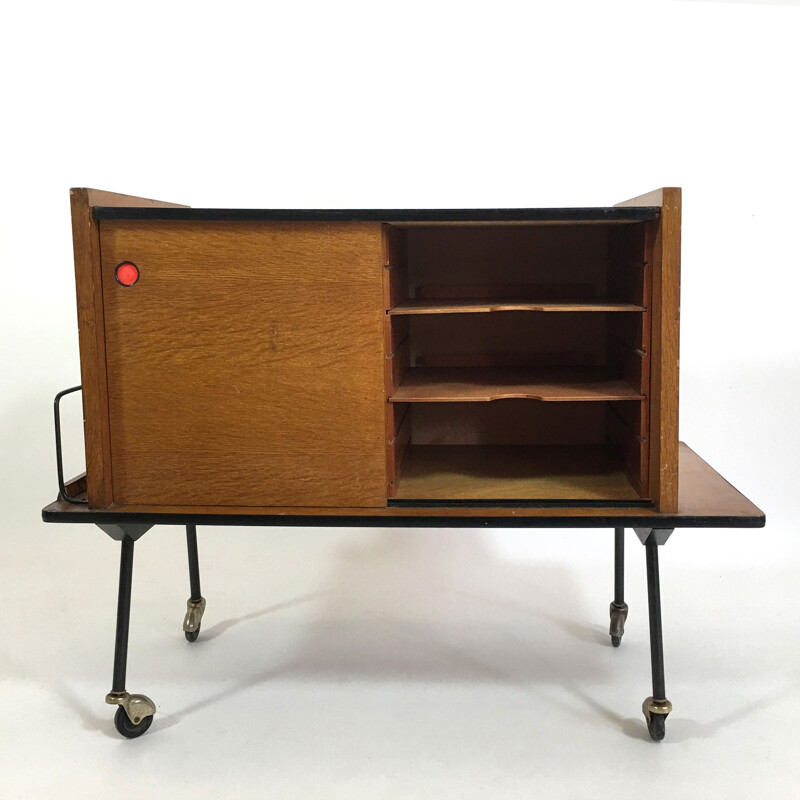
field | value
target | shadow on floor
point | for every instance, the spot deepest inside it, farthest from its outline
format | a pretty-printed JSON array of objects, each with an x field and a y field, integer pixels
[{"x": 430, "y": 605}]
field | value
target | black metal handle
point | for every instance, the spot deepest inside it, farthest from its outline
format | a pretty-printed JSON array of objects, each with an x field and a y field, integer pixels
[{"x": 59, "y": 465}]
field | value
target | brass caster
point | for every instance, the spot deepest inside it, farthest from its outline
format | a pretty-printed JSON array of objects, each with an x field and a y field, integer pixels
[
  {"x": 134, "y": 715},
  {"x": 191, "y": 622},
  {"x": 655, "y": 714},
  {"x": 619, "y": 613}
]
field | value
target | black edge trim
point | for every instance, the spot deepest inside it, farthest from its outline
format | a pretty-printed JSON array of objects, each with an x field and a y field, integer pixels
[
  {"x": 602, "y": 214},
  {"x": 488, "y": 521}
]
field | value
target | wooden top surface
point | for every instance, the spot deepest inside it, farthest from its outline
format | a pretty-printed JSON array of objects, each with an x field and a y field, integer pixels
[{"x": 706, "y": 500}]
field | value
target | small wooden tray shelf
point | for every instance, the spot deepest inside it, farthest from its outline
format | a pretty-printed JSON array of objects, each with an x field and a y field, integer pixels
[
  {"x": 490, "y": 472},
  {"x": 481, "y": 384},
  {"x": 467, "y": 305}
]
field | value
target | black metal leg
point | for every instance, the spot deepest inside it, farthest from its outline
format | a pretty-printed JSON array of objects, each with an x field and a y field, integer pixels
[
  {"x": 656, "y": 708},
  {"x": 196, "y": 604},
  {"x": 123, "y": 615},
  {"x": 654, "y": 604},
  {"x": 619, "y": 565},
  {"x": 619, "y": 608},
  {"x": 135, "y": 711},
  {"x": 194, "y": 564}
]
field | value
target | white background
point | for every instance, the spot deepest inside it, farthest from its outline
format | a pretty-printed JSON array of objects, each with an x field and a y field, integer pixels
[{"x": 373, "y": 663}]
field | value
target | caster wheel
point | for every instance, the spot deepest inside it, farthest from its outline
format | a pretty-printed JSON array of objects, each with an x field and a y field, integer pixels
[
  {"x": 191, "y": 636},
  {"x": 619, "y": 613},
  {"x": 657, "y": 727},
  {"x": 128, "y": 729}
]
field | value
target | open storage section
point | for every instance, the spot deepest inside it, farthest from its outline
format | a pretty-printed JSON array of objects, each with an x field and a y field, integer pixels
[{"x": 517, "y": 361}]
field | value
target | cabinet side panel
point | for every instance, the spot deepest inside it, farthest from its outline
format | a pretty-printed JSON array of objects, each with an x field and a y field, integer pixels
[
  {"x": 245, "y": 366},
  {"x": 91, "y": 339},
  {"x": 99, "y": 197},
  {"x": 396, "y": 350},
  {"x": 665, "y": 353},
  {"x": 630, "y": 274},
  {"x": 654, "y": 198},
  {"x": 665, "y": 338}
]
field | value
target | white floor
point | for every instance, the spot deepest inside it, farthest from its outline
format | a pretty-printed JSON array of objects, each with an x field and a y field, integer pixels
[{"x": 397, "y": 663}]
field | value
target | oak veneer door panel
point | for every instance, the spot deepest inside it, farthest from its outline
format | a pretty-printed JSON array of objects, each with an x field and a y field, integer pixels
[
  {"x": 91, "y": 333},
  {"x": 245, "y": 367}
]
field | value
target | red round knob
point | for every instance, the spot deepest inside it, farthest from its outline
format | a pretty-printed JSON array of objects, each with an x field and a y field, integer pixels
[{"x": 126, "y": 273}]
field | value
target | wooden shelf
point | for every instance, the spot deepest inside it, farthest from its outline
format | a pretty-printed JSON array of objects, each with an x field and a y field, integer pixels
[
  {"x": 481, "y": 384},
  {"x": 514, "y": 472},
  {"x": 468, "y": 305}
]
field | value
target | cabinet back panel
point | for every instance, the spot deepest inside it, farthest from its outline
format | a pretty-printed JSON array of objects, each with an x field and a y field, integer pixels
[
  {"x": 507, "y": 422},
  {"x": 509, "y": 254},
  {"x": 516, "y": 337},
  {"x": 246, "y": 365}
]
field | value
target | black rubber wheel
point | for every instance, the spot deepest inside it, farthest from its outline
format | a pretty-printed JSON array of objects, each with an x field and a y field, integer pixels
[
  {"x": 191, "y": 636},
  {"x": 616, "y": 641},
  {"x": 657, "y": 726},
  {"x": 128, "y": 729}
]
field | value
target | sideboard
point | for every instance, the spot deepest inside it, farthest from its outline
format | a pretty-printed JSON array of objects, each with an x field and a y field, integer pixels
[{"x": 494, "y": 367}]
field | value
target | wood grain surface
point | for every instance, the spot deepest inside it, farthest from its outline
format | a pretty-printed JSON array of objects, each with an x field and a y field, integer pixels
[
  {"x": 705, "y": 500},
  {"x": 516, "y": 338},
  {"x": 479, "y": 306},
  {"x": 91, "y": 334},
  {"x": 523, "y": 255},
  {"x": 251, "y": 364},
  {"x": 99, "y": 197},
  {"x": 396, "y": 351},
  {"x": 246, "y": 365},
  {"x": 664, "y": 350},
  {"x": 494, "y": 472},
  {"x": 480, "y": 384},
  {"x": 510, "y": 422}
]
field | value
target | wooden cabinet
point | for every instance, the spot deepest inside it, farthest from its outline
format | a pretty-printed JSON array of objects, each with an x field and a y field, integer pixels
[
  {"x": 379, "y": 359},
  {"x": 501, "y": 367}
]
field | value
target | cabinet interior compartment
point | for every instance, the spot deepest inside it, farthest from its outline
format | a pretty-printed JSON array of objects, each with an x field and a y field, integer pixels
[{"x": 517, "y": 363}]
